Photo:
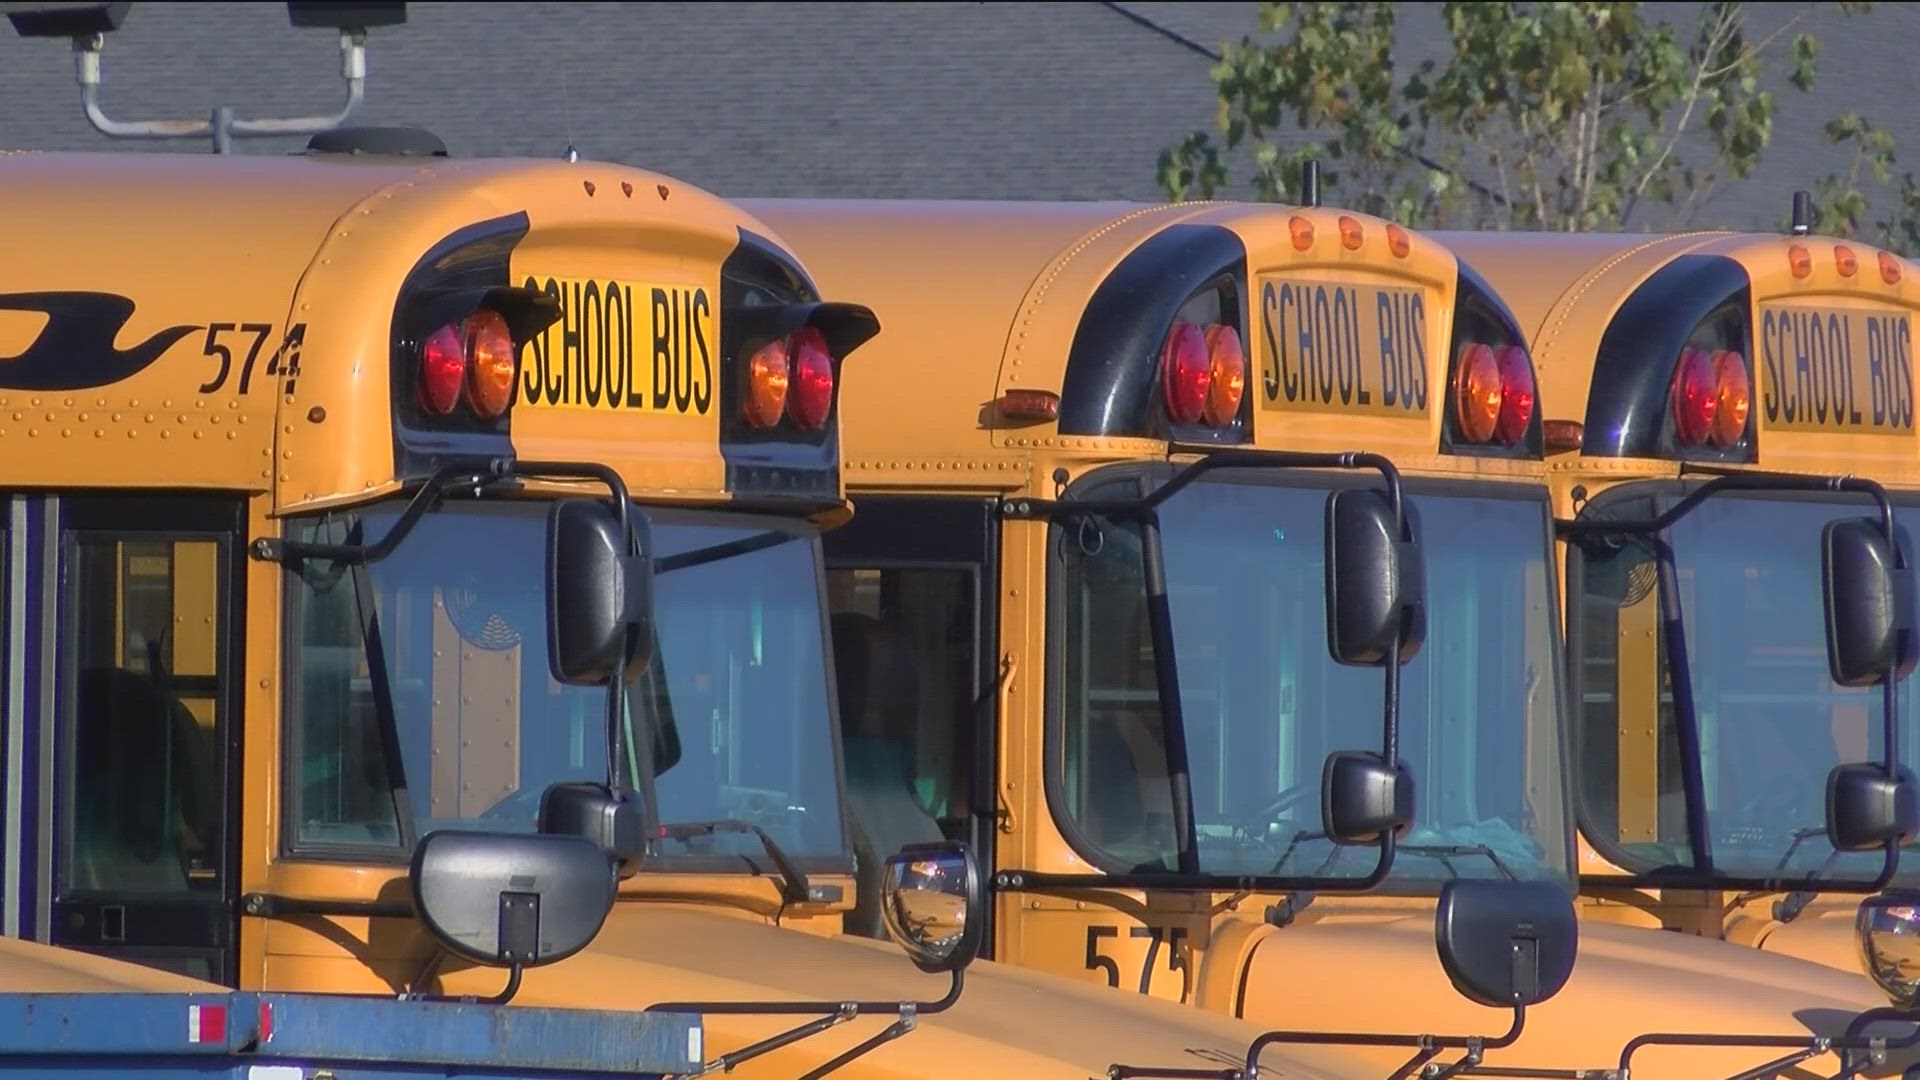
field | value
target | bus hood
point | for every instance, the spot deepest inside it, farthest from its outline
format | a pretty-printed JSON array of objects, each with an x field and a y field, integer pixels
[
  {"x": 1008, "y": 1022},
  {"x": 1383, "y": 976},
  {"x": 28, "y": 967},
  {"x": 1823, "y": 934}
]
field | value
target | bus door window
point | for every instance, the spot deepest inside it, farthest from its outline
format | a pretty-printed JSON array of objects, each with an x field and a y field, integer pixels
[
  {"x": 144, "y": 865},
  {"x": 904, "y": 643}
]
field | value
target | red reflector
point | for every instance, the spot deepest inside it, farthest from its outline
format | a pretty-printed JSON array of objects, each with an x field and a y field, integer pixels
[
  {"x": 490, "y": 345},
  {"x": 1696, "y": 397},
  {"x": 1476, "y": 392},
  {"x": 207, "y": 1023},
  {"x": 443, "y": 369},
  {"x": 811, "y": 396},
  {"x": 1734, "y": 392},
  {"x": 266, "y": 1021},
  {"x": 1226, "y": 373},
  {"x": 1516, "y": 395},
  {"x": 1185, "y": 373}
]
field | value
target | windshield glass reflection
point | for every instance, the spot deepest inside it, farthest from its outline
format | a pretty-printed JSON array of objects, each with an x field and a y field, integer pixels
[
  {"x": 423, "y": 698},
  {"x": 1772, "y": 721},
  {"x": 1264, "y": 703}
]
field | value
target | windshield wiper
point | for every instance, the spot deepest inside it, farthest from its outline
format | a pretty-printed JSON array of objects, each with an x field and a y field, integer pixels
[
  {"x": 1789, "y": 907},
  {"x": 667, "y": 564},
  {"x": 794, "y": 888},
  {"x": 1446, "y": 852}
]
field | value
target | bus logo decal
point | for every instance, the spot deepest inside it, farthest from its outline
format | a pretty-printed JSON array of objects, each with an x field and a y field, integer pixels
[
  {"x": 74, "y": 351},
  {"x": 623, "y": 346},
  {"x": 1836, "y": 369},
  {"x": 1343, "y": 348}
]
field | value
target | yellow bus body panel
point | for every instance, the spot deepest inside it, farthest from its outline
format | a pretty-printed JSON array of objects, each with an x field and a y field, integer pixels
[
  {"x": 193, "y": 242},
  {"x": 982, "y": 298}
]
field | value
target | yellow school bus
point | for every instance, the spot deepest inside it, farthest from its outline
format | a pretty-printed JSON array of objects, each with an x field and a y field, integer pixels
[
  {"x": 290, "y": 449},
  {"x": 1131, "y": 715},
  {"x": 1671, "y": 358}
]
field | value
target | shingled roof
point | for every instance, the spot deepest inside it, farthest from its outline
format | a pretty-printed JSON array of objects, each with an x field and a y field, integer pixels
[{"x": 988, "y": 100}]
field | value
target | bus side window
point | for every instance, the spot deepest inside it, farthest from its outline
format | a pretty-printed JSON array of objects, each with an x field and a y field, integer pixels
[
  {"x": 148, "y": 810},
  {"x": 904, "y": 644}
]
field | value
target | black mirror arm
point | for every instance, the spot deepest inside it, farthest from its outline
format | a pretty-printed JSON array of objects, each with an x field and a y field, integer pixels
[
  {"x": 450, "y": 478},
  {"x": 828, "y": 1014},
  {"x": 1735, "y": 480},
  {"x": 417, "y": 990}
]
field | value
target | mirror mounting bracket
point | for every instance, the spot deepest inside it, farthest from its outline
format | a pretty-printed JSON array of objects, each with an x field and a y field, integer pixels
[
  {"x": 827, "y": 1014},
  {"x": 443, "y": 482},
  {"x": 416, "y": 991}
]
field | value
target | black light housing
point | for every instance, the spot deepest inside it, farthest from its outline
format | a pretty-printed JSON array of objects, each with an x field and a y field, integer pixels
[
  {"x": 64, "y": 20},
  {"x": 345, "y": 15}
]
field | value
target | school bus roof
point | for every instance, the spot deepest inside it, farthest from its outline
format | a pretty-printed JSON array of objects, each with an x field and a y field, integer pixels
[
  {"x": 1567, "y": 290},
  {"x": 983, "y": 297},
  {"x": 228, "y": 322}
]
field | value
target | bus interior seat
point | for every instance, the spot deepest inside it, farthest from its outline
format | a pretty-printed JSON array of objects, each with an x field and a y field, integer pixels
[
  {"x": 878, "y": 689},
  {"x": 148, "y": 769}
]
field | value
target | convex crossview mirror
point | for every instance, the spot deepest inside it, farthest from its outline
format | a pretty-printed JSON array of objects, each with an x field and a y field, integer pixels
[
  {"x": 513, "y": 901},
  {"x": 599, "y": 594},
  {"x": 933, "y": 904},
  {"x": 1506, "y": 944},
  {"x": 1887, "y": 926}
]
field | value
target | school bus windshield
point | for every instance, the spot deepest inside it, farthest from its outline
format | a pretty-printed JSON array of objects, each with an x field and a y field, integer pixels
[
  {"x": 422, "y": 696},
  {"x": 1772, "y": 722},
  {"x": 1264, "y": 702}
]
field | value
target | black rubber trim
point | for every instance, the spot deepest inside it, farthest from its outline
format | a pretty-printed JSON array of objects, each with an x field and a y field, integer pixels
[
  {"x": 1479, "y": 314},
  {"x": 473, "y": 258},
  {"x": 1628, "y": 404},
  {"x": 1112, "y": 381}
]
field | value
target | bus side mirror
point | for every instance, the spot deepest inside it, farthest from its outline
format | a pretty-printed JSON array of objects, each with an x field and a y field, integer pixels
[
  {"x": 1887, "y": 927},
  {"x": 933, "y": 903},
  {"x": 1866, "y": 807},
  {"x": 1869, "y": 603},
  {"x": 510, "y": 900},
  {"x": 1506, "y": 943},
  {"x": 599, "y": 595},
  {"x": 1362, "y": 797},
  {"x": 1375, "y": 583}
]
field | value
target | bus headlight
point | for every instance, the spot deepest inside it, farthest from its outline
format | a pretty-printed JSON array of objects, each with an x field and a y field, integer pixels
[{"x": 1888, "y": 929}]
